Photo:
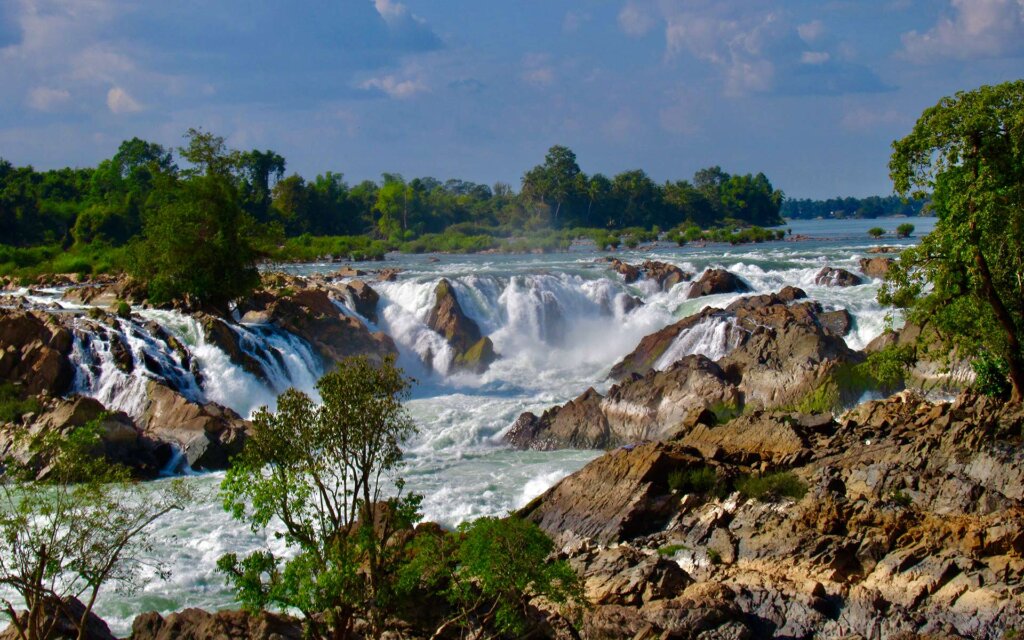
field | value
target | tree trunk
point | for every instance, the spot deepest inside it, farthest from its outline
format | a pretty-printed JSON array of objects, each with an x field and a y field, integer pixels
[{"x": 1013, "y": 357}]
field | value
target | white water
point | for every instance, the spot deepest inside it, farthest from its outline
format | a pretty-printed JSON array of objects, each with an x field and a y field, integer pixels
[{"x": 558, "y": 323}]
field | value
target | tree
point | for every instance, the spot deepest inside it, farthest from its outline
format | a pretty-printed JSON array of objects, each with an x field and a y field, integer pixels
[
  {"x": 70, "y": 524},
  {"x": 196, "y": 245},
  {"x": 558, "y": 181},
  {"x": 968, "y": 150},
  {"x": 904, "y": 230},
  {"x": 322, "y": 471},
  {"x": 489, "y": 570},
  {"x": 876, "y": 232}
]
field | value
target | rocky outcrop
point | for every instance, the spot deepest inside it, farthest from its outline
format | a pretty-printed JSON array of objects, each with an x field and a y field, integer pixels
[
  {"x": 34, "y": 346},
  {"x": 363, "y": 299},
  {"x": 836, "y": 277},
  {"x": 220, "y": 333},
  {"x": 106, "y": 294},
  {"x": 630, "y": 273},
  {"x": 666, "y": 275},
  {"x": 836, "y": 323},
  {"x": 715, "y": 281},
  {"x": 208, "y": 435},
  {"x": 784, "y": 350},
  {"x": 473, "y": 351},
  {"x": 910, "y": 521},
  {"x": 121, "y": 442},
  {"x": 875, "y": 267},
  {"x": 196, "y": 624},
  {"x": 61, "y": 618}
]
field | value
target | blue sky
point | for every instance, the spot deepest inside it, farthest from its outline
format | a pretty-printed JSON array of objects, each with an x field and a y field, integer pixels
[{"x": 810, "y": 92}]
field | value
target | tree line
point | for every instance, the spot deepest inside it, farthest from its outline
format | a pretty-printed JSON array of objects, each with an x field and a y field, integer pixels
[{"x": 870, "y": 207}]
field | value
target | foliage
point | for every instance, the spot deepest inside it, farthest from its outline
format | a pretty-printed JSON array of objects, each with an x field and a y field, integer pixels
[
  {"x": 876, "y": 232},
  {"x": 904, "y": 230},
  {"x": 772, "y": 487},
  {"x": 12, "y": 405},
  {"x": 489, "y": 570},
  {"x": 700, "y": 480},
  {"x": 323, "y": 471},
  {"x": 964, "y": 278},
  {"x": 870, "y": 207},
  {"x": 991, "y": 375},
  {"x": 670, "y": 550},
  {"x": 70, "y": 524}
]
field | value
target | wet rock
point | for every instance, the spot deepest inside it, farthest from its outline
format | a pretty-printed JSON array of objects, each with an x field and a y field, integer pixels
[
  {"x": 715, "y": 281},
  {"x": 34, "y": 349},
  {"x": 875, "y": 267},
  {"x": 363, "y": 299},
  {"x": 630, "y": 273},
  {"x": 666, "y": 275},
  {"x": 835, "y": 277},
  {"x": 62, "y": 618},
  {"x": 196, "y": 624},
  {"x": 348, "y": 272},
  {"x": 836, "y": 323},
  {"x": 388, "y": 275},
  {"x": 208, "y": 435},
  {"x": 220, "y": 333},
  {"x": 473, "y": 352}
]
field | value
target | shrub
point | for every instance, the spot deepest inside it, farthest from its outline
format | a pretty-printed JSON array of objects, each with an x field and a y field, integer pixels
[
  {"x": 991, "y": 375},
  {"x": 123, "y": 309},
  {"x": 12, "y": 406},
  {"x": 772, "y": 487},
  {"x": 904, "y": 230},
  {"x": 698, "y": 480},
  {"x": 670, "y": 550},
  {"x": 876, "y": 232}
]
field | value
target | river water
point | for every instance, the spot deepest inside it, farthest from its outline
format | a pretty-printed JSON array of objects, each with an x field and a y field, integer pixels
[{"x": 557, "y": 322}]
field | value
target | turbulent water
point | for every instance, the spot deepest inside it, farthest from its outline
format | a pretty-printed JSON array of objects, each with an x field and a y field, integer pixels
[{"x": 558, "y": 323}]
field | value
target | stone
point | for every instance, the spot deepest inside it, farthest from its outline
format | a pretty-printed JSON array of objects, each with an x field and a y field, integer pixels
[
  {"x": 196, "y": 624},
  {"x": 473, "y": 351},
  {"x": 836, "y": 277},
  {"x": 714, "y": 281},
  {"x": 875, "y": 267},
  {"x": 363, "y": 299},
  {"x": 34, "y": 350}
]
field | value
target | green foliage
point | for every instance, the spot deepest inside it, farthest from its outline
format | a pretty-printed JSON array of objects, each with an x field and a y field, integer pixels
[
  {"x": 991, "y": 375},
  {"x": 887, "y": 369},
  {"x": 714, "y": 557},
  {"x": 670, "y": 550},
  {"x": 123, "y": 309},
  {"x": 772, "y": 487},
  {"x": 700, "y": 480},
  {"x": 71, "y": 523},
  {"x": 904, "y": 230},
  {"x": 13, "y": 406},
  {"x": 489, "y": 570},
  {"x": 870, "y": 207},
  {"x": 901, "y": 499},
  {"x": 876, "y": 232},
  {"x": 323, "y": 470}
]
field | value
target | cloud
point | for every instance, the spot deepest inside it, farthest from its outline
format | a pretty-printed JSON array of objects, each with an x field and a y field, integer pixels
[
  {"x": 635, "y": 20},
  {"x": 395, "y": 87},
  {"x": 538, "y": 70},
  {"x": 811, "y": 31},
  {"x": 47, "y": 98},
  {"x": 390, "y": 10},
  {"x": 858, "y": 119},
  {"x": 815, "y": 57},
  {"x": 975, "y": 29},
  {"x": 120, "y": 101},
  {"x": 573, "y": 20}
]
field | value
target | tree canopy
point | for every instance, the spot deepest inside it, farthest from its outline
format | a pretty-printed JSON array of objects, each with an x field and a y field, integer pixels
[{"x": 966, "y": 278}]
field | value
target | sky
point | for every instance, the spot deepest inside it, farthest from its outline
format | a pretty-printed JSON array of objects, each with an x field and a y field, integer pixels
[{"x": 812, "y": 93}]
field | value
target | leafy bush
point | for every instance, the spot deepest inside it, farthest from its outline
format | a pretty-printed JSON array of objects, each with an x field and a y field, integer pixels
[
  {"x": 992, "y": 375},
  {"x": 772, "y": 487},
  {"x": 697, "y": 480},
  {"x": 670, "y": 550},
  {"x": 876, "y": 232},
  {"x": 12, "y": 406},
  {"x": 904, "y": 230}
]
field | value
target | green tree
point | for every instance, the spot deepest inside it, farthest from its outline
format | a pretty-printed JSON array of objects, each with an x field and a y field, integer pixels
[
  {"x": 196, "y": 245},
  {"x": 70, "y": 524},
  {"x": 904, "y": 230},
  {"x": 968, "y": 151},
  {"x": 557, "y": 182},
  {"x": 489, "y": 570},
  {"x": 876, "y": 232},
  {"x": 323, "y": 472}
]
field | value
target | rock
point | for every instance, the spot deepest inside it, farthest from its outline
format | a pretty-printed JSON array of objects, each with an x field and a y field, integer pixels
[
  {"x": 625, "y": 575},
  {"x": 62, "y": 617},
  {"x": 757, "y": 435},
  {"x": 836, "y": 323},
  {"x": 221, "y": 334},
  {"x": 34, "y": 349},
  {"x": 666, "y": 275},
  {"x": 208, "y": 435},
  {"x": 121, "y": 442},
  {"x": 651, "y": 348},
  {"x": 388, "y": 275},
  {"x": 885, "y": 249},
  {"x": 196, "y": 624},
  {"x": 835, "y": 277},
  {"x": 875, "y": 267},
  {"x": 630, "y": 303},
  {"x": 348, "y": 272},
  {"x": 363, "y": 299},
  {"x": 107, "y": 294},
  {"x": 715, "y": 281},
  {"x": 630, "y": 273},
  {"x": 473, "y": 352}
]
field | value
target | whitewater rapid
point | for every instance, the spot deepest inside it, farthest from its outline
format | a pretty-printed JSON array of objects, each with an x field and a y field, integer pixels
[{"x": 558, "y": 322}]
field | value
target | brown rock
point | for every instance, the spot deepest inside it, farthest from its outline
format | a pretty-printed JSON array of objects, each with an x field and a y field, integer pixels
[
  {"x": 62, "y": 618},
  {"x": 666, "y": 275},
  {"x": 715, "y": 281},
  {"x": 34, "y": 349},
  {"x": 875, "y": 267},
  {"x": 835, "y": 277},
  {"x": 220, "y": 333},
  {"x": 473, "y": 352},
  {"x": 388, "y": 275},
  {"x": 836, "y": 323},
  {"x": 630, "y": 273},
  {"x": 196, "y": 624},
  {"x": 363, "y": 299}
]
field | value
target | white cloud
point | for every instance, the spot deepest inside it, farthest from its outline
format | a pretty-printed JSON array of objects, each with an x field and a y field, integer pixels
[
  {"x": 811, "y": 31},
  {"x": 975, "y": 29},
  {"x": 815, "y": 57},
  {"x": 635, "y": 20},
  {"x": 120, "y": 101},
  {"x": 395, "y": 87},
  {"x": 539, "y": 77},
  {"x": 47, "y": 98},
  {"x": 390, "y": 10},
  {"x": 574, "y": 20}
]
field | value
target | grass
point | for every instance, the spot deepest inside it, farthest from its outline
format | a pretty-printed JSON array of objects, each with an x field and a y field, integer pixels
[
  {"x": 12, "y": 406},
  {"x": 772, "y": 487},
  {"x": 701, "y": 480},
  {"x": 670, "y": 550}
]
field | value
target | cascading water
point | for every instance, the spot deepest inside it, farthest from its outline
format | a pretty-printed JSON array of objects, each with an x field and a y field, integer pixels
[{"x": 712, "y": 337}]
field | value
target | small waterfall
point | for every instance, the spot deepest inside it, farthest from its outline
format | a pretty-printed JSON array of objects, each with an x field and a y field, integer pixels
[{"x": 713, "y": 337}]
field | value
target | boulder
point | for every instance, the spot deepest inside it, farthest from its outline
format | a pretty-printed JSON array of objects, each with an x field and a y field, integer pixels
[
  {"x": 62, "y": 618},
  {"x": 875, "y": 267},
  {"x": 651, "y": 347},
  {"x": 348, "y": 272},
  {"x": 836, "y": 323},
  {"x": 220, "y": 333},
  {"x": 666, "y": 275},
  {"x": 34, "y": 350},
  {"x": 388, "y": 275},
  {"x": 473, "y": 352},
  {"x": 196, "y": 624},
  {"x": 835, "y": 277},
  {"x": 715, "y": 281},
  {"x": 363, "y": 299},
  {"x": 208, "y": 435},
  {"x": 630, "y": 273}
]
